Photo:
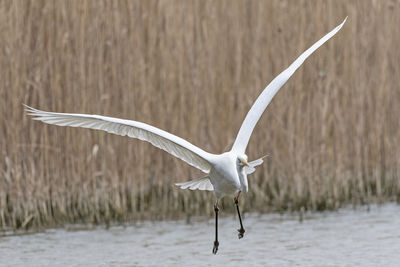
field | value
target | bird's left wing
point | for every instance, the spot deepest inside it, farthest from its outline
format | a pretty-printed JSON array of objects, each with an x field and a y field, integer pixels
[
  {"x": 170, "y": 143},
  {"x": 269, "y": 92}
]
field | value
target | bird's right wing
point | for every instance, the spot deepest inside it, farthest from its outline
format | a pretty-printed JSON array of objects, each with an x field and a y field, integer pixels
[
  {"x": 269, "y": 92},
  {"x": 253, "y": 164},
  {"x": 170, "y": 143}
]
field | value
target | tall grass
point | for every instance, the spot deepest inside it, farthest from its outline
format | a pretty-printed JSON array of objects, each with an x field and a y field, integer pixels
[{"x": 194, "y": 68}]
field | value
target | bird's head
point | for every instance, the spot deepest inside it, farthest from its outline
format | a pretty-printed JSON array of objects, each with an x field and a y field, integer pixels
[{"x": 242, "y": 160}]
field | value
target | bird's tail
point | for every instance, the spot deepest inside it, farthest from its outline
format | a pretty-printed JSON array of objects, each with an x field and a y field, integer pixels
[{"x": 202, "y": 183}]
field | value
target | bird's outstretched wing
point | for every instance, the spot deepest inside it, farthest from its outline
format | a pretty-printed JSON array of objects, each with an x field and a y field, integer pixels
[
  {"x": 269, "y": 92},
  {"x": 172, "y": 144}
]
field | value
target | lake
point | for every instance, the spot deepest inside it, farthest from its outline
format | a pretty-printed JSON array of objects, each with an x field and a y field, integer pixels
[{"x": 349, "y": 237}]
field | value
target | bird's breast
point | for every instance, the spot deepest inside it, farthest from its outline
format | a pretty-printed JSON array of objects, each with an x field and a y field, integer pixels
[{"x": 225, "y": 180}]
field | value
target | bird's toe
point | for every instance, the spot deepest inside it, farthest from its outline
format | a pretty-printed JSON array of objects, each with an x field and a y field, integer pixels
[
  {"x": 241, "y": 233},
  {"x": 215, "y": 248}
]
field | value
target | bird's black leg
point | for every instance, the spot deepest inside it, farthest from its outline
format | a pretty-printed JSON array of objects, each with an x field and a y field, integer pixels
[
  {"x": 216, "y": 243},
  {"x": 241, "y": 230}
]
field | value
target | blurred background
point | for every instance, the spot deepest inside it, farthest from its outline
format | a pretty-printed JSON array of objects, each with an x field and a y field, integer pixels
[{"x": 194, "y": 68}]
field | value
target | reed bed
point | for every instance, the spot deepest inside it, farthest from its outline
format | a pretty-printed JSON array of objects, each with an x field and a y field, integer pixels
[{"x": 194, "y": 68}]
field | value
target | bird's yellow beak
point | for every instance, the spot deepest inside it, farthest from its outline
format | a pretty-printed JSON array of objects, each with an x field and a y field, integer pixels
[{"x": 244, "y": 162}]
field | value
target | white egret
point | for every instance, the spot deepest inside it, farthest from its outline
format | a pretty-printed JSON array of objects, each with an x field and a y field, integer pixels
[{"x": 226, "y": 173}]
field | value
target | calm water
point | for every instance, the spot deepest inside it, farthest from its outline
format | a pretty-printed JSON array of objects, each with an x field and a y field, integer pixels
[{"x": 344, "y": 238}]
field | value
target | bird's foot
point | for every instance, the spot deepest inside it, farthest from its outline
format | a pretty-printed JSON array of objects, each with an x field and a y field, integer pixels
[
  {"x": 215, "y": 248},
  {"x": 241, "y": 233}
]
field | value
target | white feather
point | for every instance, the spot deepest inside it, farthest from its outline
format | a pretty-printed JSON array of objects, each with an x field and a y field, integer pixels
[
  {"x": 253, "y": 164},
  {"x": 172, "y": 144},
  {"x": 202, "y": 183},
  {"x": 269, "y": 92}
]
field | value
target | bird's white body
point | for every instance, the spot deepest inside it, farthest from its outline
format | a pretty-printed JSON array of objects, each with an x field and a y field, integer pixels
[
  {"x": 227, "y": 172},
  {"x": 226, "y": 176}
]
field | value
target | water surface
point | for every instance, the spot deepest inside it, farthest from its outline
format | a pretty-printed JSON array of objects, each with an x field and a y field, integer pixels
[{"x": 345, "y": 238}]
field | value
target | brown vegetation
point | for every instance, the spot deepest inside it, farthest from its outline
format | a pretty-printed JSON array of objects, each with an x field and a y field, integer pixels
[{"x": 194, "y": 68}]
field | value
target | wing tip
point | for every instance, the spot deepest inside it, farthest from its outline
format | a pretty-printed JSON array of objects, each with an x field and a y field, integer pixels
[
  {"x": 28, "y": 108},
  {"x": 32, "y": 111},
  {"x": 341, "y": 24}
]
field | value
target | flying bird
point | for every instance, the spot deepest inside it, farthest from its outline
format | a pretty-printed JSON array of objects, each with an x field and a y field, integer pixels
[{"x": 226, "y": 173}]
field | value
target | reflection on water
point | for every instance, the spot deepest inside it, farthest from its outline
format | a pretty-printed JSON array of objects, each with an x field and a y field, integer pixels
[{"x": 344, "y": 238}]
